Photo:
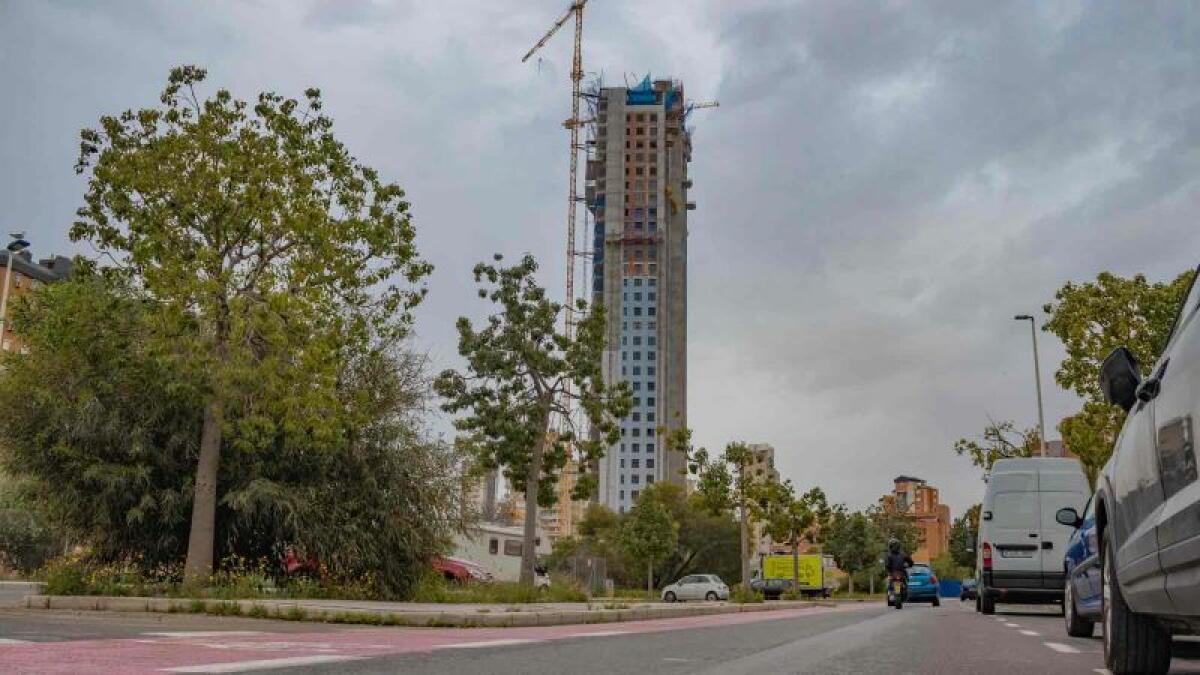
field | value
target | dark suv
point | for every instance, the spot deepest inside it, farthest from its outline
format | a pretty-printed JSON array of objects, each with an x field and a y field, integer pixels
[{"x": 1147, "y": 503}]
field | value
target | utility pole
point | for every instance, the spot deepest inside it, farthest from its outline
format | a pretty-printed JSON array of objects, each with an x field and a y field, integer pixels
[{"x": 1037, "y": 380}]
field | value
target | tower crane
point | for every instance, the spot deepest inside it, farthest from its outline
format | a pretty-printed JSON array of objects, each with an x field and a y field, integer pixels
[{"x": 572, "y": 124}]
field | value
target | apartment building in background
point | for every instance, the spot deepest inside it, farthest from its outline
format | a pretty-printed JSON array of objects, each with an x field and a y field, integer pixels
[
  {"x": 919, "y": 501},
  {"x": 26, "y": 276},
  {"x": 636, "y": 186},
  {"x": 763, "y": 469}
]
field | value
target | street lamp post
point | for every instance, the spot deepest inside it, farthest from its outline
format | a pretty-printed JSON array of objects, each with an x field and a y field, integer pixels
[
  {"x": 17, "y": 245},
  {"x": 1037, "y": 380}
]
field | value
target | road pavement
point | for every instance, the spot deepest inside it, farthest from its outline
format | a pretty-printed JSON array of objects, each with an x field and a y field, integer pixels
[{"x": 851, "y": 638}]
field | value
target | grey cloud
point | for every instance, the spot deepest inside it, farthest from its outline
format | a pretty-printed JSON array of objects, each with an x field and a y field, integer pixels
[{"x": 882, "y": 188}]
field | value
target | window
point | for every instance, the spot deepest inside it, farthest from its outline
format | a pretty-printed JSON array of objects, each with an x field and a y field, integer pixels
[
  {"x": 649, "y": 385},
  {"x": 622, "y": 464},
  {"x": 649, "y": 417},
  {"x": 652, "y": 340},
  {"x": 624, "y": 356},
  {"x": 637, "y": 325},
  {"x": 637, "y": 356},
  {"x": 622, "y": 497},
  {"x": 649, "y": 433},
  {"x": 635, "y": 479},
  {"x": 622, "y": 479},
  {"x": 637, "y": 432},
  {"x": 649, "y": 355},
  {"x": 493, "y": 546},
  {"x": 637, "y": 282},
  {"x": 651, "y": 311},
  {"x": 637, "y": 417},
  {"x": 649, "y": 462},
  {"x": 634, "y": 494},
  {"x": 653, "y": 325},
  {"x": 637, "y": 463},
  {"x": 637, "y": 296},
  {"x": 637, "y": 401},
  {"x": 637, "y": 386},
  {"x": 649, "y": 479},
  {"x": 622, "y": 370},
  {"x": 637, "y": 339},
  {"x": 637, "y": 370},
  {"x": 650, "y": 401},
  {"x": 512, "y": 547},
  {"x": 636, "y": 447},
  {"x": 624, "y": 340},
  {"x": 650, "y": 448},
  {"x": 652, "y": 296}
]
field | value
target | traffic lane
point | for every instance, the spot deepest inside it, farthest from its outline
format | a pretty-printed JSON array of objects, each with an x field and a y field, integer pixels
[
  {"x": 621, "y": 649},
  {"x": 1047, "y": 623}
]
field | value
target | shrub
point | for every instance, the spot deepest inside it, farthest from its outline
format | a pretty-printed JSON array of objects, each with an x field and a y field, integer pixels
[{"x": 742, "y": 595}]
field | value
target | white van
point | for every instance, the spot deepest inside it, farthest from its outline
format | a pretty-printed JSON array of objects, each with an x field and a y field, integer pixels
[{"x": 1021, "y": 545}]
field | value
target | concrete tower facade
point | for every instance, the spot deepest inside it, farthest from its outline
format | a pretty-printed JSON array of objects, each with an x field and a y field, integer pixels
[{"x": 636, "y": 190}]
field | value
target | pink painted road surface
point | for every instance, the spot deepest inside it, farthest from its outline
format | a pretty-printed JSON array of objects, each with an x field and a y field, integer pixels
[{"x": 239, "y": 651}]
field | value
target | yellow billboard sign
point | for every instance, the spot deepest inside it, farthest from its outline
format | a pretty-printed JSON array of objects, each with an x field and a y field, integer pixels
[{"x": 780, "y": 567}]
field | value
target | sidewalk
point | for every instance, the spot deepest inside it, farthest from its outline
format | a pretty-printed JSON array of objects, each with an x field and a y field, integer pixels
[{"x": 414, "y": 614}]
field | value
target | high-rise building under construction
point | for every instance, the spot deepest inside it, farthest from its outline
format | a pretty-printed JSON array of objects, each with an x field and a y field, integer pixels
[{"x": 636, "y": 190}]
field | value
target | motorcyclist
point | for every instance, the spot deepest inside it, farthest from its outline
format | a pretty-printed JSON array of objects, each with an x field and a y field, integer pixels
[{"x": 896, "y": 561}]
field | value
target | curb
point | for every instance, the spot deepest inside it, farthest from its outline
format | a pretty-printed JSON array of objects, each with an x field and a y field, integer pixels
[{"x": 509, "y": 616}]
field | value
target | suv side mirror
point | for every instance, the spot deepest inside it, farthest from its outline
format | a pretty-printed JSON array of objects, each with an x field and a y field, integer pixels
[
  {"x": 1120, "y": 377},
  {"x": 1069, "y": 517},
  {"x": 987, "y": 515}
]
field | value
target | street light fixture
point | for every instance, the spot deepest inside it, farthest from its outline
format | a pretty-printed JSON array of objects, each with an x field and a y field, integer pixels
[
  {"x": 14, "y": 247},
  {"x": 1037, "y": 380}
]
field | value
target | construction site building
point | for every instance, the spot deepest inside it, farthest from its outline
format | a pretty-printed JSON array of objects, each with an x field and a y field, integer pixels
[{"x": 636, "y": 187}]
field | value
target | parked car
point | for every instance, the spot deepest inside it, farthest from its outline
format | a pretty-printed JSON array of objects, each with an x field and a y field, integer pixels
[
  {"x": 696, "y": 587},
  {"x": 1147, "y": 502},
  {"x": 461, "y": 571},
  {"x": 922, "y": 585},
  {"x": 1021, "y": 544},
  {"x": 968, "y": 592},
  {"x": 771, "y": 589},
  {"x": 1082, "y": 598}
]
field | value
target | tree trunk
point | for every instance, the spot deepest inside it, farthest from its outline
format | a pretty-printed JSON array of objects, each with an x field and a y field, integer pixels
[
  {"x": 649, "y": 580},
  {"x": 795, "y": 563},
  {"x": 872, "y": 584},
  {"x": 745, "y": 541},
  {"x": 850, "y": 576},
  {"x": 199, "y": 563},
  {"x": 532, "y": 481}
]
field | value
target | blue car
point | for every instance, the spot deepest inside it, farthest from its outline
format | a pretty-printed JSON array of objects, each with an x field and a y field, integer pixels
[
  {"x": 1082, "y": 594},
  {"x": 922, "y": 585}
]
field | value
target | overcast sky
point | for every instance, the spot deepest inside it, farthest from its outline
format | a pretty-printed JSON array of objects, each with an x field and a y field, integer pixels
[{"x": 882, "y": 188}]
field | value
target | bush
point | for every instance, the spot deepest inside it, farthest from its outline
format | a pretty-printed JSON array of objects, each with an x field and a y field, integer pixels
[
  {"x": 432, "y": 588},
  {"x": 742, "y": 595}
]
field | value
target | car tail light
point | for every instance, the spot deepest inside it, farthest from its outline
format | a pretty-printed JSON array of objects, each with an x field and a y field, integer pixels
[
  {"x": 987, "y": 556},
  {"x": 933, "y": 580}
]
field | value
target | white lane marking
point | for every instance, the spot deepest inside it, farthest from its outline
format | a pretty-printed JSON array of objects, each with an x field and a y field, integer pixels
[
  {"x": 1102, "y": 671},
  {"x": 676, "y": 659},
  {"x": 1013, "y": 625},
  {"x": 10, "y": 641},
  {"x": 603, "y": 633},
  {"x": 262, "y": 664},
  {"x": 1061, "y": 648},
  {"x": 1034, "y": 633},
  {"x": 486, "y": 643},
  {"x": 204, "y": 633}
]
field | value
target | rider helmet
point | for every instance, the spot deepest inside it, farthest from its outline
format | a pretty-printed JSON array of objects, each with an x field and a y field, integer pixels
[{"x": 894, "y": 545}]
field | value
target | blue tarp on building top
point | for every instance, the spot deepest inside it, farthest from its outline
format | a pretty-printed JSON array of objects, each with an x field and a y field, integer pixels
[{"x": 642, "y": 94}]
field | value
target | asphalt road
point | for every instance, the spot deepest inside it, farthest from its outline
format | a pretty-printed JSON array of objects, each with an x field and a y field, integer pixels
[{"x": 859, "y": 638}]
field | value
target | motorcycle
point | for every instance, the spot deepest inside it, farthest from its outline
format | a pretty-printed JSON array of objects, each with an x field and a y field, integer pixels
[{"x": 897, "y": 591}]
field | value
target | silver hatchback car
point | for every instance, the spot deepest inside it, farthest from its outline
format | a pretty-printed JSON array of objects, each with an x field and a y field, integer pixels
[{"x": 696, "y": 587}]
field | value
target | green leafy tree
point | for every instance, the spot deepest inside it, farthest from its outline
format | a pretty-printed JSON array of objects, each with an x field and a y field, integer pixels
[
  {"x": 962, "y": 537},
  {"x": 854, "y": 541},
  {"x": 521, "y": 375},
  {"x": 785, "y": 517},
  {"x": 1000, "y": 440},
  {"x": 707, "y": 541},
  {"x": 266, "y": 249},
  {"x": 1093, "y": 318},
  {"x": 816, "y": 502},
  {"x": 102, "y": 436},
  {"x": 890, "y": 523},
  {"x": 648, "y": 536}
]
